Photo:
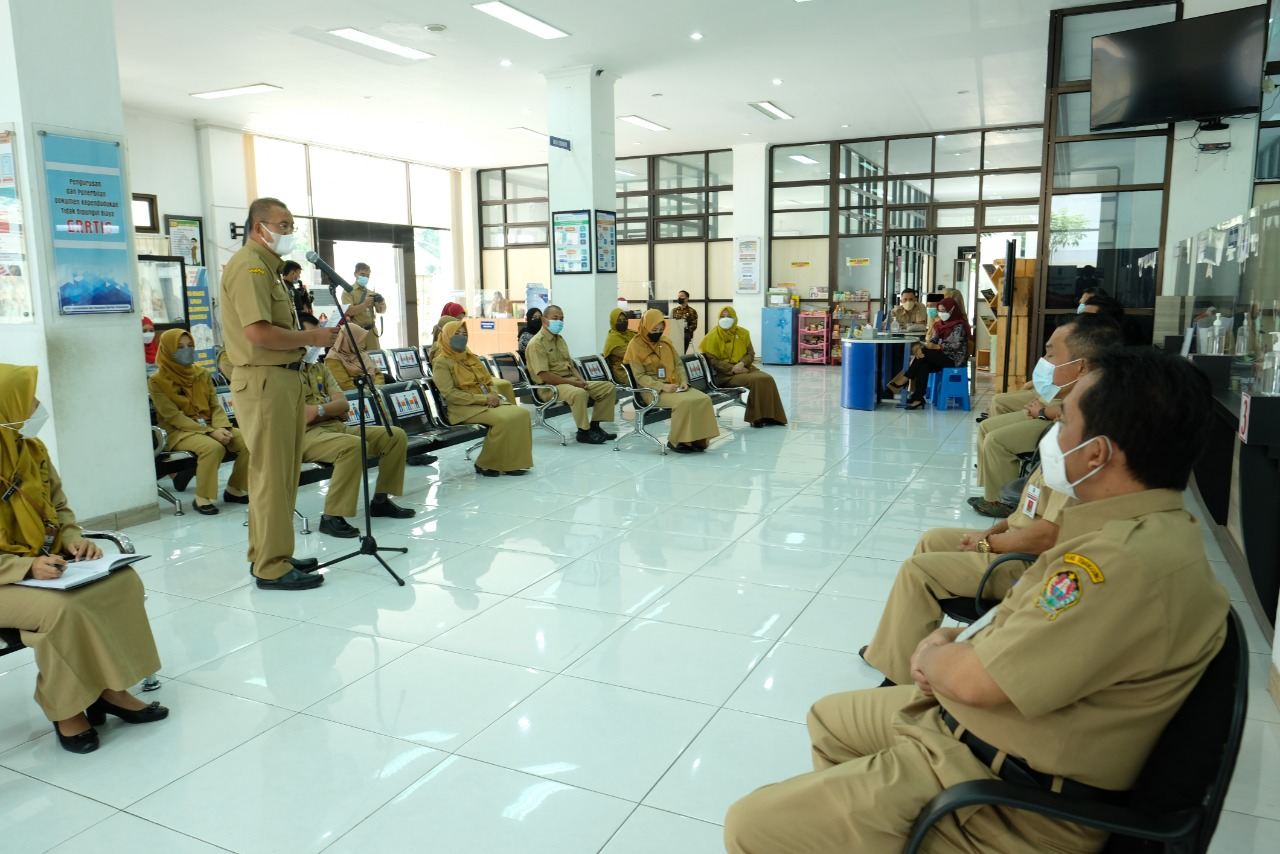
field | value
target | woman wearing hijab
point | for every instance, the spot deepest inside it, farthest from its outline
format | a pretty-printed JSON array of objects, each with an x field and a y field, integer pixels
[
  {"x": 452, "y": 311},
  {"x": 345, "y": 365},
  {"x": 657, "y": 366},
  {"x": 728, "y": 349},
  {"x": 615, "y": 344},
  {"x": 149, "y": 343},
  {"x": 188, "y": 409},
  {"x": 90, "y": 643},
  {"x": 474, "y": 396},
  {"x": 948, "y": 348},
  {"x": 532, "y": 326}
]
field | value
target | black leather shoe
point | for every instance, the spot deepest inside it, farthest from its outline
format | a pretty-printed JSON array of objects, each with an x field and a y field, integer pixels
[
  {"x": 85, "y": 742},
  {"x": 517, "y": 472},
  {"x": 304, "y": 564},
  {"x": 292, "y": 580},
  {"x": 760, "y": 422},
  {"x": 336, "y": 526},
  {"x": 205, "y": 509},
  {"x": 609, "y": 437},
  {"x": 487, "y": 472},
  {"x": 591, "y": 437},
  {"x": 682, "y": 448},
  {"x": 385, "y": 507},
  {"x": 422, "y": 460},
  {"x": 181, "y": 479},
  {"x": 228, "y": 498},
  {"x": 982, "y": 416},
  {"x": 97, "y": 713}
]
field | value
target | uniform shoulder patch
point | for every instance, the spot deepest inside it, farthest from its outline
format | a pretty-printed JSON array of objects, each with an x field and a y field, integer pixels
[
  {"x": 1095, "y": 574},
  {"x": 258, "y": 270},
  {"x": 1061, "y": 592}
]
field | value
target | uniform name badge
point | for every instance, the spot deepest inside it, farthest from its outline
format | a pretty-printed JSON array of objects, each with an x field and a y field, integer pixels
[
  {"x": 484, "y": 389},
  {"x": 1033, "y": 501},
  {"x": 662, "y": 373}
]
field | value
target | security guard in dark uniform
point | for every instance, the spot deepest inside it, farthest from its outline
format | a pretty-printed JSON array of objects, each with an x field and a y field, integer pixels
[
  {"x": 265, "y": 346},
  {"x": 364, "y": 303},
  {"x": 1069, "y": 684}
]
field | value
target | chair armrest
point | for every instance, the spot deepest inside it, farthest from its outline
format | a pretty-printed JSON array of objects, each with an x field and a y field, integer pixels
[
  {"x": 161, "y": 439},
  {"x": 543, "y": 404},
  {"x": 638, "y": 390},
  {"x": 1101, "y": 816},
  {"x": 1022, "y": 556},
  {"x": 123, "y": 543}
]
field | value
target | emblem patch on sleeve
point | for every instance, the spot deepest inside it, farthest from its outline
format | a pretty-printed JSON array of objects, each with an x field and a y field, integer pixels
[
  {"x": 1095, "y": 574},
  {"x": 258, "y": 270},
  {"x": 1060, "y": 593}
]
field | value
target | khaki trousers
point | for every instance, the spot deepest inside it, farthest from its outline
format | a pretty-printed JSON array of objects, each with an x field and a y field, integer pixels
[
  {"x": 763, "y": 400},
  {"x": 936, "y": 571},
  {"x": 1000, "y": 439},
  {"x": 335, "y": 443},
  {"x": 209, "y": 453},
  {"x": 509, "y": 444},
  {"x": 86, "y": 641},
  {"x": 268, "y": 403},
  {"x": 879, "y": 756},
  {"x": 602, "y": 396},
  {"x": 1011, "y": 401}
]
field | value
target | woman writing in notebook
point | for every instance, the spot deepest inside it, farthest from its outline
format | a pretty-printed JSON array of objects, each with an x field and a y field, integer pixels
[{"x": 91, "y": 643}]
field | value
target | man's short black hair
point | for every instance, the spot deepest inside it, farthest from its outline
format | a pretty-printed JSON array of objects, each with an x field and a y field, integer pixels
[
  {"x": 1090, "y": 335},
  {"x": 1153, "y": 406},
  {"x": 262, "y": 208},
  {"x": 362, "y": 266},
  {"x": 1095, "y": 291},
  {"x": 686, "y": 294},
  {"x": 911, "y": 291},
  {"x": 933, "y": 298},
  {"x": 304, "y": 318},
  {"x": 1107, "y": 307},
  {"x": 289, "y": 267}
]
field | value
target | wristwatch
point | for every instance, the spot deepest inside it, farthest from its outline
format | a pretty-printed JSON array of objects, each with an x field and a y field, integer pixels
[
  {"x": 984, "y": 546},
  {"x": 319, "y": 411},
  {"x": 1042, "y": 416}
]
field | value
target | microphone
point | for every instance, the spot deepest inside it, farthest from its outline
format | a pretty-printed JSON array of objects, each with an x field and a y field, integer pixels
[{"x": 315, "y": 258}]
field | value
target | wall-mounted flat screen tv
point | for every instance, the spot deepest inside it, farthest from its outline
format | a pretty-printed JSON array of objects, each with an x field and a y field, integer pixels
[{"x": 1197, "y": 69}]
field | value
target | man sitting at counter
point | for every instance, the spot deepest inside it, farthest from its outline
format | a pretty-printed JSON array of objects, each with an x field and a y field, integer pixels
[
  {"x": 550, "y": 363},
  {"x": 909, "y": 312}
]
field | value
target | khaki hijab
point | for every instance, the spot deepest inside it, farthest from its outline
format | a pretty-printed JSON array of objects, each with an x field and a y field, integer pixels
[
  {"x": 343, "y": 352},
  {"x": 469, "y": 373},
  {"x": 615, "y": 339},
  {"x": 25, "y": 462},
  {"x": 642, "y": 351},
  {"x": 188, "y": 386},
  {"x": 727, "y": 345}
]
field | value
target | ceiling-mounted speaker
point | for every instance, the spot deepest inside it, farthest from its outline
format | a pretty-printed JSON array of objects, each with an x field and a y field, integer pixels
[{"x": 435, "y": 28}]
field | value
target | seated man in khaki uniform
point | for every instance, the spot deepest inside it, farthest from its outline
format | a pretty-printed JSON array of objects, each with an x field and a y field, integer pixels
[
  {"x": 329, "y": 440},
  {"x": 549, "y": 363},
  {"x": 949, "y": 563},
  {"x": 1069, "y": 684},
  {"x": 1068, "y": 354}
]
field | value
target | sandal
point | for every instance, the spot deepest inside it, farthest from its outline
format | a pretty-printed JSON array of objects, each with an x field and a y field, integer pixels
[
  {"x": 914, "y": 404},
  {"x": 894, "y": 390}
]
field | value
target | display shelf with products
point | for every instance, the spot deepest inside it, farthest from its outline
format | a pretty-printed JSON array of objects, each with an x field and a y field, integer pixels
[{"x": 815, "y": 338}]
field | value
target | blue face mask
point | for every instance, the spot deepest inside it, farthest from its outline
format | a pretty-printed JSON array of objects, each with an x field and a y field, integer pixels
[
  {"x": 555, "y": 327},
  {"x": 362, "y": 280},
  {"x": 932, "y": 312},
  {"x": 1042, "y": 378},
  {"x": 1080, "y": 308}
]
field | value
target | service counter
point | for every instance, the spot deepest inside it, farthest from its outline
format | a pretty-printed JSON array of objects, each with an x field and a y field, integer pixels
[{"x": 489, "y": 335}]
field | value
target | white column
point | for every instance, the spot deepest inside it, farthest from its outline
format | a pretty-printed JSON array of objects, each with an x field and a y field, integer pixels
[
  {"x": 751, "y": 219},
  {"x": 225, "y": 187},
  {"x": 580, "y": 109},
  {"x": 92, "y": 376}
]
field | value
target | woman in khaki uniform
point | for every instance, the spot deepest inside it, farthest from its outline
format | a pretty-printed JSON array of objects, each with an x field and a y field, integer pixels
[
  {"x": 656, "y": 366},
  {"x": 474, "y": 396},
  {"x": 728, "y": 349},
  {"x": 345, "y": 365},
  {"x": 189, "y": 411},
  {"x": 90, "y": 643},
  {"x": 452, "y": 311},
  {"x": 615, "y": 344}
]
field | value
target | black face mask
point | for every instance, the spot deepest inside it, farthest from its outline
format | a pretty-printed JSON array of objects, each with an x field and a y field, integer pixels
[
  {"x": 620, "y": 326},
  {"x": 682, "y": 300},
  {"x": 655, "y": 337},
  {"x": 534, "y": 325}
]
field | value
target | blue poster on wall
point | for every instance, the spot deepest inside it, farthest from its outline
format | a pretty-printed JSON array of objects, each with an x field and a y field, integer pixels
[
  {"x": 88, "y": 222},
  {"x": 200, "y": 317}
]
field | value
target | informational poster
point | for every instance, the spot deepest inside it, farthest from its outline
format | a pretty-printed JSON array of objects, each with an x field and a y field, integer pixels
[
  {"x": 606, "y": 242},
  {"x": 746, "y": 263},
  {"x": 200, "y": 317},
  {"x": 859, "y": 262},
  {"x": 536, "y": 296},
  {"x": 15, "y": 283},
  {"x": 571, "y": 232},
  {"x": 88, "y": 221},
  {"x": 406, "y": 360},
  {"x": 186, "y": 238},
  {"x": 406, "y": 403}
]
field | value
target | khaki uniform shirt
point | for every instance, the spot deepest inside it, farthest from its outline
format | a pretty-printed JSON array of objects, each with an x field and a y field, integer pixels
[
  {"x": 547, "y": 352},
  {"x": 917, "y": 315},
  {"x": 319, "y": 385},
  {"x": 252, "y": 291},
  {"x": 361, "y": 318},
  {"x": 1101, "y": 641},
  {"x": 1039, "y": 502}
]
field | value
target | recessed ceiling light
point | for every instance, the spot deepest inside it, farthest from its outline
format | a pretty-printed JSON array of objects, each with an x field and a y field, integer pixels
[
  {"x": 771, "y": 110},
  {"x": 746, "y": 134},
  {"x": 805, "y": 159},
  {"x": 530, "y": 132},
  {"x": 516, "y": 18},
  {"x": 941, "y": 136},
  {"x": 777, "y": 81},
  {"x": 843, "y": 126},
  {"x": 361, "y": 37},
  {"x": 506, "y": 63},
  {"x": 643, "y": 123},
  {"x": 696, "y": 37},
  {"x": 239, "y": 90}
]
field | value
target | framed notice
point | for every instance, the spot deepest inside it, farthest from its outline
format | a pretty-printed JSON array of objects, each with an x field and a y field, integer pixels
[
  {"x": 746, "y": 265},
  {"x": 15, "y": 281},
  {"x": 162, "y": 290},
  {"x": 186, "y": 238},
  {"x": 606, "y": 242},
  {"x": 571, "y": 241}
]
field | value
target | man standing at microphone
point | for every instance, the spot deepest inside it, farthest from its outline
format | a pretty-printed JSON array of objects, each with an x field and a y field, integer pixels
[{"x": 263, "y": 342}]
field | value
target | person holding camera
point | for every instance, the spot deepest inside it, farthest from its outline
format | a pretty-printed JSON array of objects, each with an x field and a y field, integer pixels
[{"x": 364, "y": 305}]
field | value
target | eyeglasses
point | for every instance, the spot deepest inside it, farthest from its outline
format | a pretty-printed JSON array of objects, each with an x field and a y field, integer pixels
[{"x": 284, "y": 227}]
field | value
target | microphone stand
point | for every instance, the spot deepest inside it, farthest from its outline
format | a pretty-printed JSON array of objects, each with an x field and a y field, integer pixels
[{"x": 368, "y": 545}]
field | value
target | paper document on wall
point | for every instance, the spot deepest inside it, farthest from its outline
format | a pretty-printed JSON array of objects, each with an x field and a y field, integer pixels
[
  {"x": 313, "y": 353},
  {"x": 80, "y": 573}
]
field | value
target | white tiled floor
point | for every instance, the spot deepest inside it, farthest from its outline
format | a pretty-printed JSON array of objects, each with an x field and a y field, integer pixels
[{"x": 599, "y": 657}]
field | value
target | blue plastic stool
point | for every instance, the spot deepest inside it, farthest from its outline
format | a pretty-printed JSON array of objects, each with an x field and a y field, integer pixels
[{"x": 952, "y": 384}]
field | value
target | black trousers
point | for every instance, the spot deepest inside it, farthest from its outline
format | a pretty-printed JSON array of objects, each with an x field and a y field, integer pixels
[{"x": 929, "y": 362}]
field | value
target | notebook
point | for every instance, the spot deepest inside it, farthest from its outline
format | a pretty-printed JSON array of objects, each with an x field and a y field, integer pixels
[{"x": 80, "y": 573}]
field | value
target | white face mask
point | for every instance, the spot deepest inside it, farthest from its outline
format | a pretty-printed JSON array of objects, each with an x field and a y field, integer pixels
[
  {"x": 281, "y": 244},
  {"x": 944, "y": 315},
  {"x": 32, "y": 425},
  {"x": 726, "y": 323},
  {"x": 148, "y": 337},
  {"x": 1053, "y": 461}
]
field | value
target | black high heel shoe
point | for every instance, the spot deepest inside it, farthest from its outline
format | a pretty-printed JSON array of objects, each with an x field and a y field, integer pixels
[
  {"x": 97, "y": 713},
  {"x": 85, "y": 742}
]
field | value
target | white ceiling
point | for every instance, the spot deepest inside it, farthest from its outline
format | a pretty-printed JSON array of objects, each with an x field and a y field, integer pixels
[{"x": 878, "y": 66}]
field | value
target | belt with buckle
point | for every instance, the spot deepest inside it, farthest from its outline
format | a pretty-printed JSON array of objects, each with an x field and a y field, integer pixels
[{"x": 1015, "y": 770}]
